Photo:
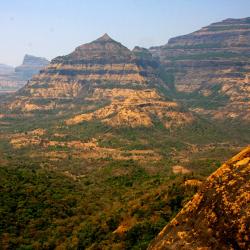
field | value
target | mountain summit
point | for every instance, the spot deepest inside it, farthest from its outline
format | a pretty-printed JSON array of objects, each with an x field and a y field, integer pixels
[
  {"x": 103, "y": 48},
  {"x": 122, "y": 87},
  {"x": 105, "y": 37}
]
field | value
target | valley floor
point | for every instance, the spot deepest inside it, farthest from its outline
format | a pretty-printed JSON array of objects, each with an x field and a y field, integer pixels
[{"x": 89, "y": 186}]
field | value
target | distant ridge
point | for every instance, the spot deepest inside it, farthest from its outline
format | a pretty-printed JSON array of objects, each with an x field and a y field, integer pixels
[
  {"x": 209, "y": 69},
  {"x": 12, "y": 79},
  {"x": 31, "y": 65}
]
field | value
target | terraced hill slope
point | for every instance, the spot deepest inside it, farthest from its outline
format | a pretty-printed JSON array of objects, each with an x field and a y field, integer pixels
[
  {"x": 209, "y": 69},
  {"x": 103, "y": 101},
  {"x": 107, "y": 82}
]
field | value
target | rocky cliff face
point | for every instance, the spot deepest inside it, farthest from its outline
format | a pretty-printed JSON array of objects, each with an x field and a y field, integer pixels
[
  {"x": 218, "y": 215},
  {"x": 120, "y": 85},
  {"x": 103, "y": 61},
  {"x": 210, "y": 68}
]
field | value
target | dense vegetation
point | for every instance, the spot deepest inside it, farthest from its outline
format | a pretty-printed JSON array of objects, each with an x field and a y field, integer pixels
[
  {"x": 43, "y": 209},
  {"x": 53, "y": 198},
  {"x": 75, "y": 203}
]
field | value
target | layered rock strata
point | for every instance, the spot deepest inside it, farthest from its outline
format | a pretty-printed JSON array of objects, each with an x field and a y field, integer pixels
[
  {"x": 120, "y": 85},
  {"x": 210, "y": 68}
]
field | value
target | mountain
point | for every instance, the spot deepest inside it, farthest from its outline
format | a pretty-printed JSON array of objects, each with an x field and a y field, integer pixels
[
  {"x": 120, "y": 86},
  {"x": 209, "y": 69},
  {"x": 105, "y": 102},
  {"x": 31, "y": 65},
  {"x": 12, "y": 79},
  {"x": 218, "y": 215}
]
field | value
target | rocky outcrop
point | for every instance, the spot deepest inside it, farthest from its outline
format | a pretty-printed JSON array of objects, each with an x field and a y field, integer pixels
[
  {"x": 209, "y": 69},
  {"x": 218, "y": 216},
  {"x": 119, "y": 85},
  {"x": 134, "y": 108}
]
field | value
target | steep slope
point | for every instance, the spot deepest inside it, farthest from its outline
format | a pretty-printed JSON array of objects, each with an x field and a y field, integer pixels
[
  {"x": 103, "y": 61},
  {"x": 218, "y": 216},
  {"x": 103, "y": 80},
  {"x": 209, "y": 69}
]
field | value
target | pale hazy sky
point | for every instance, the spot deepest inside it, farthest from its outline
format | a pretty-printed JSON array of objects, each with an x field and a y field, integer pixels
[{"x": 50, "y": 28}]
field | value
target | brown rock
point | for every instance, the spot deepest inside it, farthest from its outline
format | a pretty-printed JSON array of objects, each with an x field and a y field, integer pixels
[{"x": 218, "y": 216}]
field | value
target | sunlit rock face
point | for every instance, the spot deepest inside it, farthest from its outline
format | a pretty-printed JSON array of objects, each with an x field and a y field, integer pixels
[
  {"x": 134, "y": 108},
  {"x": 120, "y": 85},
  {"x": 101, "y": 62},
  {"x": 218, "y": 215},
  {"x": 210, "y": 68}
]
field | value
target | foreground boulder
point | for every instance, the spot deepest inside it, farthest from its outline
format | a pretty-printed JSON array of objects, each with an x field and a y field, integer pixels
[{"x": 218, "y": 216}]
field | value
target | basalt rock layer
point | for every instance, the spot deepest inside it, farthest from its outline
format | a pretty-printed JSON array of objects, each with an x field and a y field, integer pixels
[
  {"x": 209, "y": 69},
  {"x": 103, "y": 80},
  {"x": 218, "y": 216}
]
